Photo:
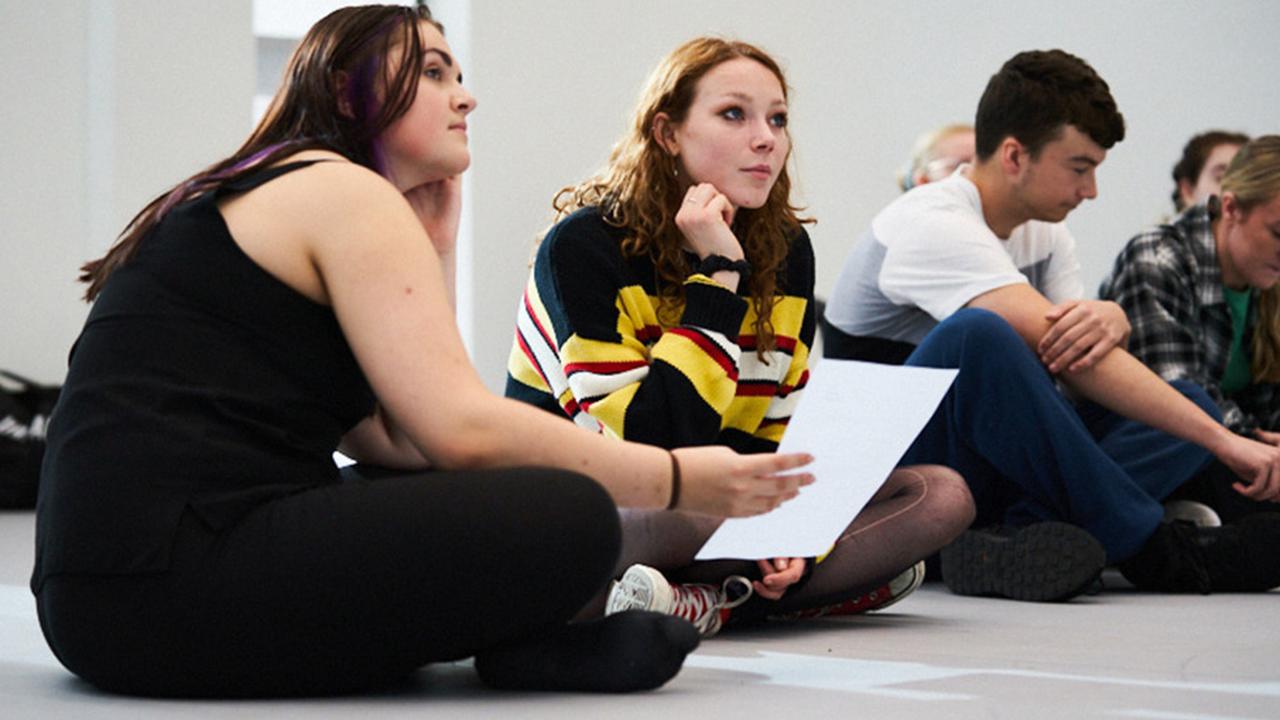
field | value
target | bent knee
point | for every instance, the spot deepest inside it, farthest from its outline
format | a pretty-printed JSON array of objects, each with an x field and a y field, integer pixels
[
  {"x": 985, "y": 324},
  {"x": 583, "y": 507},
  {"x": 947, "y": 499},
  {"x": 970, "y": 333}
]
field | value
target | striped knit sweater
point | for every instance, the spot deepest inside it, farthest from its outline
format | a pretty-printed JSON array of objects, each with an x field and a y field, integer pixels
[{"x": 589, "y": 345}]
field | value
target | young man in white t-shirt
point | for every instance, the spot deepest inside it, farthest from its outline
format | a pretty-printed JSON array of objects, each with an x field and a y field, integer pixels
[{"x": 977, "y": 272}]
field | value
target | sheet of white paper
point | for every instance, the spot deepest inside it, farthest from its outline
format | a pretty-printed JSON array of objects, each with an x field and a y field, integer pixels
[{"x": 856, "y": 419}]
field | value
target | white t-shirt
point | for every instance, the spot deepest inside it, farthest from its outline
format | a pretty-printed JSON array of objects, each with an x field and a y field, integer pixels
[{"x": 930, "y": 252}]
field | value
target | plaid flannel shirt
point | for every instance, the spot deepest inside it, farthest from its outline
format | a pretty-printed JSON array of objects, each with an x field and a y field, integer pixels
[{"x": 1169, "y": 283}]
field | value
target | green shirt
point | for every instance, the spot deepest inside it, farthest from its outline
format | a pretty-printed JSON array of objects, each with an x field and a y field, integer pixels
[{"x": 1237, "y": 375}]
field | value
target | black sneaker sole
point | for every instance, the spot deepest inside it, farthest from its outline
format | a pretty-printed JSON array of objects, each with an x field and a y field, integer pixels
[{"x": 1044, "y": 562}]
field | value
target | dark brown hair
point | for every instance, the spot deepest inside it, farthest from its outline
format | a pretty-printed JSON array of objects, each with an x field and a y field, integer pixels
[
  {"x": 1195, "y": 154},
  {"x": 338, "y": 94},
  {"x": 638, "y": 189},
  {"x": 1038, "y": 92}
]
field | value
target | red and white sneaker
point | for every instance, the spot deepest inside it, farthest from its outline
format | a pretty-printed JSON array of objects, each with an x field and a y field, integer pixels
[
  {"x": 878, "y": 599},
  {"x": 706, "y": 606}
]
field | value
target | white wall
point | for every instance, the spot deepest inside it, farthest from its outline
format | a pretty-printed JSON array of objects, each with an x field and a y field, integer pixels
[
  {"x": 109, "y": 103},
  {"x": 556, "y": 81},
  {"x": 43, "y": 203}
]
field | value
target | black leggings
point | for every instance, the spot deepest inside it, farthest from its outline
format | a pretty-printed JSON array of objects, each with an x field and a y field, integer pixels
[{"x": 343, "y": 588}]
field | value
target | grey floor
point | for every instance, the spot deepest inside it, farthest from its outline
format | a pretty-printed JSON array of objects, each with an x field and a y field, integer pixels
[{"x": 1119, "y": 654}]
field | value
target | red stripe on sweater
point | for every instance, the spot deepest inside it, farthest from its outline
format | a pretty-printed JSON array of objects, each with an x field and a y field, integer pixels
[
  {"x": 648, "y": 333},
  {"x": 714, "y": 351},
  {"x": 756, "y": 389},
  {"x": 780, "y": 342},
  {"x": 604, "y": 368},
  {"x": 528, "y": 307},
  {"x": 524, "y": 348}
]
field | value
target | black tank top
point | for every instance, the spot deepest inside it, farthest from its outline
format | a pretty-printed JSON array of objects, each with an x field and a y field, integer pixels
[{"x": 199, "y": 381}]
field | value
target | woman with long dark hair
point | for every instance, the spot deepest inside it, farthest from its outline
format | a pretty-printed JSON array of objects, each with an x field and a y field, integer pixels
[{"x": 194, "y": 537}]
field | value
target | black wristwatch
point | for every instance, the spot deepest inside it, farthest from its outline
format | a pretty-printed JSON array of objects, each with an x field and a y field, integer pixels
[{"x": 715, "y": 263}]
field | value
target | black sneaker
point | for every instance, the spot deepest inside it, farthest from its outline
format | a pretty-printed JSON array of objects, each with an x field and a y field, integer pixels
[
  {"x": 1044, "y": 562},
  {"x": 1243, "y": 556}
]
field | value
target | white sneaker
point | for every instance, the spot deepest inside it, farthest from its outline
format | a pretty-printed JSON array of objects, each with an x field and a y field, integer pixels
[
  {"x": 706, "y": 606},
  {"x": 1193, "y": 512}
]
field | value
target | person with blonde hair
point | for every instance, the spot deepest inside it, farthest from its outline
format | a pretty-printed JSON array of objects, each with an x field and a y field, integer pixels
[
  {"x": 1202, "y": 295},
  {"x": 193, "y": 535},
  {"x": 672, "y": 304},
  {"x": 937, "y": 154}
]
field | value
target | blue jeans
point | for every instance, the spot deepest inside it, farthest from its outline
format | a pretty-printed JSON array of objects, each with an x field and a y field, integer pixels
[{"x": 1029, "y": 454}]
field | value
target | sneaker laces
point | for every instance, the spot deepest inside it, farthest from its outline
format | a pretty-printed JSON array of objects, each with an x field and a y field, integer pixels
[{"x": 707, "y": 606}]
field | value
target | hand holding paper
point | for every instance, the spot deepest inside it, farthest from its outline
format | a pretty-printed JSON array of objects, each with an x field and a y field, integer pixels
[{"x": 856, "y": 419}]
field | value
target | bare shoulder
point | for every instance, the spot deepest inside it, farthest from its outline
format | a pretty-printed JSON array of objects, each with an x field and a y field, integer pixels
[
  {"x": 332, "y": 198},
  {"x": 285, "y": 225},
  {"x": 331, "y": 189}
]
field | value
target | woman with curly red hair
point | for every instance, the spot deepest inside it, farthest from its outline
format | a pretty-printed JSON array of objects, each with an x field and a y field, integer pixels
[{"x": 672, "y": 303}]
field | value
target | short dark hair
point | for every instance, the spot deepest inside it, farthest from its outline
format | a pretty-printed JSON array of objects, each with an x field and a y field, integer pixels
[
  {"x": 1196, "y": 153},
  {"x": 1038, "y": 92}
]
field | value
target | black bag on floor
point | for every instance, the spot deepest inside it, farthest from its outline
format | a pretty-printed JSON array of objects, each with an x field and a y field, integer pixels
[{"x": 24, "y": 411}]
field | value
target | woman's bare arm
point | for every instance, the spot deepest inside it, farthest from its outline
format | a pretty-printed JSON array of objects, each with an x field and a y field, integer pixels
[{"x": 375, "y": 265}]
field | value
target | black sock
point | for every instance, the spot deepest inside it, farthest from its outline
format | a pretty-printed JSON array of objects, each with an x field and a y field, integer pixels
[
  {"x": 1169, "y": 561},
  {"x": 633, "y": 650},
  {"x": 1243, "y": 556}
]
